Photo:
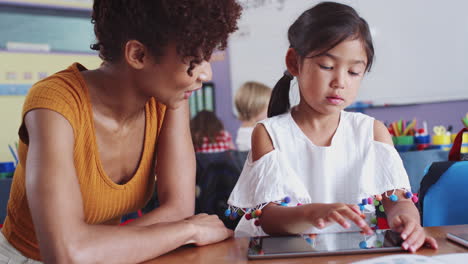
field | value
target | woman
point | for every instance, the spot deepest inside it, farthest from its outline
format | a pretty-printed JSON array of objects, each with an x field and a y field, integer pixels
[{"x": 93, "y": 141}]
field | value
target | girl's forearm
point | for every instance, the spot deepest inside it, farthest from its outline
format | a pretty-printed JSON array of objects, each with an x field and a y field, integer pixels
[
  {"x": 282, "y": 220},
  {"x": 279, "y": 220},
  {"x": 402, "y": 207}
]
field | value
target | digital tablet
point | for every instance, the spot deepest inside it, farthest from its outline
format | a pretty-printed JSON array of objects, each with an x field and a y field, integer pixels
[
  {"x": 461, "y": 239},
  {"x": 324, "y": 244}
]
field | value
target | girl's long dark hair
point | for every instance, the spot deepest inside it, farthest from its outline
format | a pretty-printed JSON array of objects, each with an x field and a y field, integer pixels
[
  {"x": 279, "y": 100},
  {"x": 315, "y": 32}
]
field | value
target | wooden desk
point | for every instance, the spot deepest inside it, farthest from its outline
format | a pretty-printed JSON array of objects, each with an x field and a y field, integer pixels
[{"x": 235, "y": 251}]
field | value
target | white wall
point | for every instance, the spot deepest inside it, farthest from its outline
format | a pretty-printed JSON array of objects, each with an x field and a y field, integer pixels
[{"x": 421, "y": 47}]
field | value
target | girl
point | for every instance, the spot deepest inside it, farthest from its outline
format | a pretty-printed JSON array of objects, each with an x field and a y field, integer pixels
[
  {"x": 251, "y": 101},
  {"x": 317, "y": 160},
  {"x": 92, "y": 142},
  {"x": 208, "y": 134}
]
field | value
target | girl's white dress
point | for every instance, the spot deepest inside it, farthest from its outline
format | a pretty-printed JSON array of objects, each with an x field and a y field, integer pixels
[{"x": 353, "y": 167}]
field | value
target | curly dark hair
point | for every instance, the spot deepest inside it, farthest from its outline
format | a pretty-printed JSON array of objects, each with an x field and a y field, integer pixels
[{"x": 196, "y": 26}]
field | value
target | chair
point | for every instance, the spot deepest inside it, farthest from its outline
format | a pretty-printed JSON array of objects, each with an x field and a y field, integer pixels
[
  {"x": 217, "y": 174},
  {"x": 445, "y": 198},
  {"x": 416, "y": 161},
  {"x": 5, "y": 185},
  {"x": 240, "y": 157},
  {"x": 234, "y": 157}
]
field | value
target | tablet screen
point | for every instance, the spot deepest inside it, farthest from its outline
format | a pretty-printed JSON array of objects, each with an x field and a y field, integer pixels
[
  {"x": 459, "y": 238},
  {"x": 324, "y": 244}
]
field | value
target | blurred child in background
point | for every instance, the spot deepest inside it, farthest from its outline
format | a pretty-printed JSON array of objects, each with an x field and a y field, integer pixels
[
  {"x": 251, "y": 102},
  {"x": 208, "y": 133}
]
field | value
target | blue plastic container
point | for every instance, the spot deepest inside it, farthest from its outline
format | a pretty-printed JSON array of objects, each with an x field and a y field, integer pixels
[
  {"x": 7, "y": 169},
  {"x": 7, "y": 166},
  {"x": 422, "y": 139}
]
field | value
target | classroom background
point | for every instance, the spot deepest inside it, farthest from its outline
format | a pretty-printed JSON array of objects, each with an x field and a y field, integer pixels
[
  {"x": 419, "y": 81},
  {"x": 419, "y": 72},
  {"x": 36, "y": 40}
]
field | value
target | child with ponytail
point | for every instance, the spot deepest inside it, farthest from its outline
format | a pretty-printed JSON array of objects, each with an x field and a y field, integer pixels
[{"x": 315, "y": 167}]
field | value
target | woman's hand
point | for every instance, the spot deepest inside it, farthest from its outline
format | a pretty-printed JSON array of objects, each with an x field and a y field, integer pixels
[
  {"x": 412, "y": 233},
  {"x": 208, "y": 229},
  {"x": 324, "y": 214}
]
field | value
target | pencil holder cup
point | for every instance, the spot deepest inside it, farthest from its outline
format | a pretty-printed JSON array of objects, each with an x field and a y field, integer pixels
[
  {"x": 464, "y": 137},
  {"x": 403, "y": 143},
  {"x": 7, "y": 169},
  {"x": 442, "y": 141},
  {"x": 464, "y": 146},
  {"x": 422, "y": 141}
]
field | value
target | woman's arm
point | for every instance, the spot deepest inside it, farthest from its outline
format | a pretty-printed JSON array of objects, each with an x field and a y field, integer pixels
[
  {"x": 175, "y": 170},
  {"x": 300, "y": 218},
  {"x": 56, "y": 205}
]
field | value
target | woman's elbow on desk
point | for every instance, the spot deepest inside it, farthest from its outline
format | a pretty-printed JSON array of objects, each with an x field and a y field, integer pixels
[{"x": 66, "y": 250}]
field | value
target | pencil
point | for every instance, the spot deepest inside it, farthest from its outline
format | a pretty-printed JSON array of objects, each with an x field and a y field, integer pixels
[
  {"x": 410, "y": 126},
  {"x": 465, "y": 121},
  {"x": 395, "y": 129},
  {"x": 13, "y": 153}
]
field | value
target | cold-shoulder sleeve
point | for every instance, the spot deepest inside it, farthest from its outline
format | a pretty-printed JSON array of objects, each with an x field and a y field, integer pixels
[
  {"x": 269, "y": 179},
  {"x": 383, "y": 170}
]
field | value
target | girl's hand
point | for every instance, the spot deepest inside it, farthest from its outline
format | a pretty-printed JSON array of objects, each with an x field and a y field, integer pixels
[
  {"x": 208, "y": 229},
  {"x": 412, "y": 233},
  {"x": 324, "y": 214}
]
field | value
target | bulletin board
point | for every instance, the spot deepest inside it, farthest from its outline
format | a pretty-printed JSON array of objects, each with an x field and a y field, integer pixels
[
  {"x": 62, "y": 4},
  {"x": 36, "y": 41},
  {"x": 203, "y": 99},
  {"x": 421, "y": 47},
  {"x": 35, "y": 44},
  {"x": 19, "y": 70}
]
